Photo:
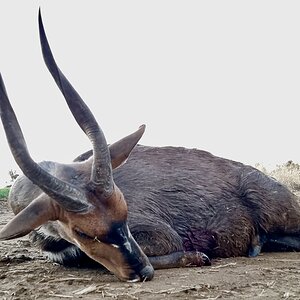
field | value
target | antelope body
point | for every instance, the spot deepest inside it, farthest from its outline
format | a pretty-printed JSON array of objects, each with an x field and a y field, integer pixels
[{"x": 165, "y": 207}]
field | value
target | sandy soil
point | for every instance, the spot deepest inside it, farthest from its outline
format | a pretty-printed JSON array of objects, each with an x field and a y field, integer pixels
[{"x": 25, "y": 274}]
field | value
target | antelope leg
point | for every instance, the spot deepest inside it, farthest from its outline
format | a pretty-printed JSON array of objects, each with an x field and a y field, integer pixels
[{"x": 180, "y": 259}]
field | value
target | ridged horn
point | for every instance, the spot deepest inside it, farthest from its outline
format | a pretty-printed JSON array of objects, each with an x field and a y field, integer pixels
[
  {"x": 101, "y": 175},
  {"x": 69, "y": 196}
]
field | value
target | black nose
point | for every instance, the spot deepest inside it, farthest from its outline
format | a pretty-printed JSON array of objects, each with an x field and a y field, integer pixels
[{"x": 147, "y": 273}]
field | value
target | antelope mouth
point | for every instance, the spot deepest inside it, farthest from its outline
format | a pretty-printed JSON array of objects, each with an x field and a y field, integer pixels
[{"x": 145, "y": 274}]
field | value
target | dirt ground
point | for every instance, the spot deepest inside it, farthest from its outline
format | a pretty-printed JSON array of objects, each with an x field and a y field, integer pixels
[{"x": 25, "y": 274}]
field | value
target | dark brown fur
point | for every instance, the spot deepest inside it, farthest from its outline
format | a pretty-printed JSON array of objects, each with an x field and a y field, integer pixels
[{"x": 190, "y": 200}]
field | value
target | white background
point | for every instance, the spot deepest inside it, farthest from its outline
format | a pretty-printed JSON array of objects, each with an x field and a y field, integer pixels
[{"x": 222, "y": 76}]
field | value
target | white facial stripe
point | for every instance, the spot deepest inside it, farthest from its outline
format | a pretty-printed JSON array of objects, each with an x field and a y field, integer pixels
[
  {"x": 76, "y": 242},
  {"x": 128, "y": 246}
]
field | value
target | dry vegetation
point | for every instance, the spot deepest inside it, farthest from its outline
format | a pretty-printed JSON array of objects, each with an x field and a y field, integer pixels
[{"x": 288, "y": 174}]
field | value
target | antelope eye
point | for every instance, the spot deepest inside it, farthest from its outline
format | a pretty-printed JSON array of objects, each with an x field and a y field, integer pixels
[{"x": 83, "y": 235}]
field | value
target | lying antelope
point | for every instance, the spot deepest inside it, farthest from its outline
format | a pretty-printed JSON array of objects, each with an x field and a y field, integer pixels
[{"x": 165, "y": 207}]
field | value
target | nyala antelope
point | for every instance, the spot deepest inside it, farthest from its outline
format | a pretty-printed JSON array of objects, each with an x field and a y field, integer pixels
[{"x": 134, "y": 208}]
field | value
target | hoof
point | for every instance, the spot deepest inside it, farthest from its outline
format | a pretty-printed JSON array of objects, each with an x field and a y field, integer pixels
[
  {"x": 206, "y": 260},
  {"x": 196, "y": 259}
]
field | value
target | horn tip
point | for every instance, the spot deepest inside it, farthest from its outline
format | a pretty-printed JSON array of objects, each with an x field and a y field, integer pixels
[
  {"x": 142, "y": 127},
  {"x": 40, "y": 13}
]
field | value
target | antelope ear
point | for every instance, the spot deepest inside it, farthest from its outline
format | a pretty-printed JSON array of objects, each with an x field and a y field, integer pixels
[
  {"x": 120, "y": 151},
  {"x": 38, "y": 212}
]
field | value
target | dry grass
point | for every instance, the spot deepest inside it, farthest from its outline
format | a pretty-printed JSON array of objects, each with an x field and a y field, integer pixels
[{"x": 288, "y": 174}]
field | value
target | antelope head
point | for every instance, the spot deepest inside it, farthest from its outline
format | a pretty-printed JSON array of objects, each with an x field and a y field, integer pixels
[{"x": 91, "y": 213}]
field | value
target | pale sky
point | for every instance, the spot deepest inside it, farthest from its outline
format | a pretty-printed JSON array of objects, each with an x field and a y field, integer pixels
[{"x": 222, "y": 76}]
